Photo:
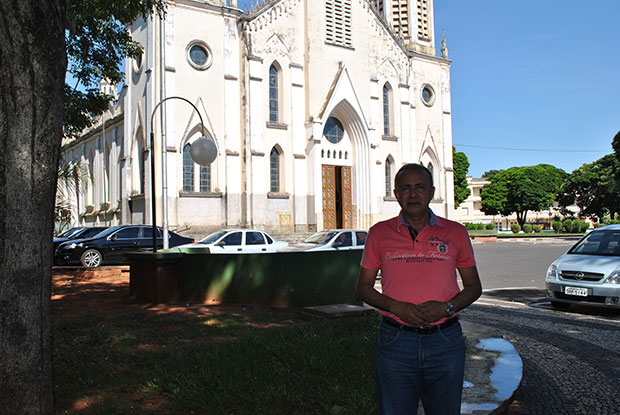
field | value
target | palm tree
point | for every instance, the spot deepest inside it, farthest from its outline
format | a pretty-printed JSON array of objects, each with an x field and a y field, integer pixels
[{"x": 73, "y": 177}]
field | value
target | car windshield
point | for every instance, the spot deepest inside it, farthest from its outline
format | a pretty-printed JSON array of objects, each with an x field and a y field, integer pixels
[
  {"x": 320, "y": 237},
  {"x": 600, "y": 242},
  {"x": 69, "y": 233},
  {"x": 108, "y": 231},
  {"x": 213, "y": 237},
  {"x": 90, "y": 232}
]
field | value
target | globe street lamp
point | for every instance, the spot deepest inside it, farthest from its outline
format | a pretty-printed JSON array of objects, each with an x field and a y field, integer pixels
[{"x": 203, "y": 151}]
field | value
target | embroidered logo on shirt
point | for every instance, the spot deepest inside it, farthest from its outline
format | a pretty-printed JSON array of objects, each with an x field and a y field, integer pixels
[
  {"x": 442, "y": 248},
  {"x": 428, "y": 257}
]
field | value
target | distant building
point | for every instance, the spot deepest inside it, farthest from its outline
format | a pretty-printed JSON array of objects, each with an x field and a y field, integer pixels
[
  {"x": 313, "y": 105},
  {"x": 470, "y": 210}
]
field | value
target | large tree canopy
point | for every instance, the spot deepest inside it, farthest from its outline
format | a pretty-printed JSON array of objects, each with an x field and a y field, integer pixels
[
  {"x": 521, "y": 189},
  {"x": 490, "y": 173},
  {"x": 36, "y": 37},
  {"x": 97, "y": 42},
  {"x": 461, "y": 166},
  {"x": 593, "y": 189}
]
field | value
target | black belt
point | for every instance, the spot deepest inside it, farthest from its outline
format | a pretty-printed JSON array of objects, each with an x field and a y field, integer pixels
[{"x": 422, "y": 329}]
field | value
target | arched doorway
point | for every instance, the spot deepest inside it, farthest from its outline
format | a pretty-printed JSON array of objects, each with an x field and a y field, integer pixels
[{"x": 336, "y": 177}]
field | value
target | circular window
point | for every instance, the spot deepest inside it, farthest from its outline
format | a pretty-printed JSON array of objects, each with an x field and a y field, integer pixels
[
  {"x": 333, "y": 130},
  {"x": 428, "y": 95},
  {"x": 199, "y": 55}
]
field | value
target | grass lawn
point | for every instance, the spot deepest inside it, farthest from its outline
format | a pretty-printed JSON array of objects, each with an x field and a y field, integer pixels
[{"x": 211, "y": 360}]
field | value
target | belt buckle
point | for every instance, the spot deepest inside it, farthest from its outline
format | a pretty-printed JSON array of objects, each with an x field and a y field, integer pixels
[{"x": 426, "y": 329}]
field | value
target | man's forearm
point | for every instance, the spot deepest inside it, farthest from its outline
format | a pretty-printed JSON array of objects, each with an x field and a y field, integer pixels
[
  {"x": 374, "y": 298},
  {"x": 466, "y": 296}
]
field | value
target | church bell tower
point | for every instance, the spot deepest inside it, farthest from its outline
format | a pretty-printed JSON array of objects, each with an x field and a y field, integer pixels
[{"x": 411, "y": 19}]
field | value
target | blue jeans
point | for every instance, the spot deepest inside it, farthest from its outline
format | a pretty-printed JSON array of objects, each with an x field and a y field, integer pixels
[{"x": 412, "y": 366}]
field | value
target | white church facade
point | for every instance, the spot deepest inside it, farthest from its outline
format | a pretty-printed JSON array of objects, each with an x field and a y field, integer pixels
[{"x": 313, "y": 106}]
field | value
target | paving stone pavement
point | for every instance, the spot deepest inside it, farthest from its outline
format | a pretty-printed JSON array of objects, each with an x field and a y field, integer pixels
[{"x": 571, "y": 362}]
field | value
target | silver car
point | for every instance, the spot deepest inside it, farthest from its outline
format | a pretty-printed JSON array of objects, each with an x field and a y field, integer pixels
[
  {"x": 332, "y": 240},
  {"x": 589, "y": 273}
]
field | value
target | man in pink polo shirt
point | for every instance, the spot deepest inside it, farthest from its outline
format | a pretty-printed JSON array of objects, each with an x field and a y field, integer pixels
[{"x": 420, "y": 347}]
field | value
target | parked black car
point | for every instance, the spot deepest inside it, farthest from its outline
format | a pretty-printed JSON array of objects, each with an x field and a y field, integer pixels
[
  {"x": 111, "y": 245},
  {"x": 79, "y": 232}
]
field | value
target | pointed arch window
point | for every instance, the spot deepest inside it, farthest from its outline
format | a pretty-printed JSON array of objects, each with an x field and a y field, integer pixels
[
  {"x": 389, "y": 167},
  {"x": 274, "y": 170},
  {"x": 192, "y": 170},
  {"x": 143, "y": 158},
  {"x": 90, "y": 192},
  {"x": 387, "y": 114},
  {"x": 274, "y": 92},
  {"x": 205, "y": 178},
  {"x": 106, "y": 174},
  {"x": 188, "y": 170}
]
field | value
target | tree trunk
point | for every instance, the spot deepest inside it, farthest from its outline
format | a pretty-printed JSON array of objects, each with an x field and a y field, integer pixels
[
  {"x": 32, "y": 72},
  {"x": 521, "y": 217}
]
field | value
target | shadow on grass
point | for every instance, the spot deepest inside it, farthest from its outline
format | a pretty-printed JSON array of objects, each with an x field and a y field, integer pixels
[{"x": 112, "y": 356}]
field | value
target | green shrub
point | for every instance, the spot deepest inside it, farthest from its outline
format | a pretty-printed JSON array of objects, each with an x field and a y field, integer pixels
[
  {"x": 583, "y": 226},
  {"x": 537, "y": 228},
  {"x": 527, "y": 227},
  {"x": 489, "y": 227},
  {"x": 568, "y": 225},
  {"x": 515, "y": 228},
  {"x": 557, "y": 226},
  {"x": 474, "y": 226}
]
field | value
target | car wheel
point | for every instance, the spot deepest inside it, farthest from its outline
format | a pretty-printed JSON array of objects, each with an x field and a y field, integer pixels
[
  {"x": 560, "y": 306},
  {"x": 91, "y": 258}
]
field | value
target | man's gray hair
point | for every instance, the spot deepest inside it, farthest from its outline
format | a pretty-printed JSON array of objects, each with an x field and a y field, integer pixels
[{"x": 413, "y": 167}]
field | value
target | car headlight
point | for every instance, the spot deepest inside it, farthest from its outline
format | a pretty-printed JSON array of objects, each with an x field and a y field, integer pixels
[
  {"x": 614, "y": 277},
  {"x": 552, "y": 272}
]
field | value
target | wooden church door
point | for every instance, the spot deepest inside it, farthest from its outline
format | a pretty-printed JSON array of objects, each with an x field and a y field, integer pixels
[{"x": 337, "y": 205}]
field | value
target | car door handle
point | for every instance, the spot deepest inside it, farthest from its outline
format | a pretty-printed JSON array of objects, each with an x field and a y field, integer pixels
[
  {"x": 264, "y": 249},
  {"x": 238, "y": 249}
]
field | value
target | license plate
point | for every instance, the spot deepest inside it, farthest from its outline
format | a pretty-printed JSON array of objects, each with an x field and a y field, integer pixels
[{"x": 582, "y": 292}]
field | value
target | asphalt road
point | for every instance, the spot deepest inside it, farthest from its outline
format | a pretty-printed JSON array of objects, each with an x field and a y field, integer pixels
[
  {"x": 571, "y": 359},
  {"x": 517, "y": 263}
]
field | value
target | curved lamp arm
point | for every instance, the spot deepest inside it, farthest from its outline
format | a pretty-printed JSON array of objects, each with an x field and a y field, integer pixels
[{"x": 204, "y": 153}]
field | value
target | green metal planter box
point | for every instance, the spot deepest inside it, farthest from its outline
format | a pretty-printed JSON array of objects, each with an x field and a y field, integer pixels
[{"x": 282, "y": 278}]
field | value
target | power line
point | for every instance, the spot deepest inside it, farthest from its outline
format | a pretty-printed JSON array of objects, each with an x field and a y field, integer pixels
[{"x": 532, "y": 149}]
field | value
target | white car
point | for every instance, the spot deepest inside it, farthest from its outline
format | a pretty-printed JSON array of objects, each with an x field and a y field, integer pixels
[
  {"x": 589, "y": 273},
  {"x": 332, "y": 240},
  {"x": 236, "y": 241}
]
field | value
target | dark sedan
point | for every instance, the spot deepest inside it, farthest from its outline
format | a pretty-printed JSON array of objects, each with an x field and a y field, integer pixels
[
  {"x": 80, "y": 232},
  {"x": 111, "y": 245}
]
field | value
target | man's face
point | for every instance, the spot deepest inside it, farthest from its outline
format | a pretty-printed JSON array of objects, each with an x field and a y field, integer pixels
[{"x": 414, "y": 192}]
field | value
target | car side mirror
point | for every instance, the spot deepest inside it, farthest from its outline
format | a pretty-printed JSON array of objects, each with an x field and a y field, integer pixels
[
  {"x": 112, "y": 238},
  {"x": 220, "y": 243},
  {"x": 337, "y": 244}
]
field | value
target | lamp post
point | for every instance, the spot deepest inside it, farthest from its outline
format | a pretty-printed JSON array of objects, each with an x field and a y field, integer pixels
[{"x": 203, "y": 151}]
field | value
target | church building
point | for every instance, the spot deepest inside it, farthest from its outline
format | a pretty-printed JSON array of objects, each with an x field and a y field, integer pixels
[{"x": 313, "y": 106}]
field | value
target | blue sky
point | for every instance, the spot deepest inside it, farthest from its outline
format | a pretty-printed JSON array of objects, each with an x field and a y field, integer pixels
[{"x": 533, "y": 81}]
